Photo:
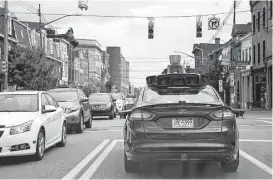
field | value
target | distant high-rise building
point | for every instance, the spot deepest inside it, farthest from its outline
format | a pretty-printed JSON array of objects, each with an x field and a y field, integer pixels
[{"x": 118, "y": 69}]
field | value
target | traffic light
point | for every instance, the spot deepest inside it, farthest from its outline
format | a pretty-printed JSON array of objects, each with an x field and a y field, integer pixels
[
  {"x": 199, "y": 28},
  {"x": 4, "y": 66},
  {"x": 151, "y": 30}
]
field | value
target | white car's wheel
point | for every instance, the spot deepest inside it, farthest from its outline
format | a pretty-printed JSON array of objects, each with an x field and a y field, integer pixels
[
  {"x": 64, "y": 136},
  {"x": 40, "y": 146}
]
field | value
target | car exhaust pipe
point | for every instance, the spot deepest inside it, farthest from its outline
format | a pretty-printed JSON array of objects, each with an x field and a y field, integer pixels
[{"x": 227, "y": 160}]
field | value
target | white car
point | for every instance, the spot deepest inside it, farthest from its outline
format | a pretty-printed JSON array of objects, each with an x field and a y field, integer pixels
[
  {"x": 30, "y": 122},
  {"x": 119, "y": 101}
]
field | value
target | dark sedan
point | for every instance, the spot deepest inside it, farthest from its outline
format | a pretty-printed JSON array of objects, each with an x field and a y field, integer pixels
[
  {"x": 102, "y": 104},
  {"x": 180, "y": 119}
]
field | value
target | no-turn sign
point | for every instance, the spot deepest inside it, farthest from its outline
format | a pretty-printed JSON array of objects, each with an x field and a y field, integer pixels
[{"x": 214, "y": 23}]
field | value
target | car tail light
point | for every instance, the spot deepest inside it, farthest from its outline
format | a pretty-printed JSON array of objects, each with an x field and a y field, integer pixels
[
  {"x": 141, "y": 116},
  {"x": 219, "y": 115}
]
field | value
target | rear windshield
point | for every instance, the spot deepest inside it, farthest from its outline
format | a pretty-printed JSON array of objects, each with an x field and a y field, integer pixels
[
  {"x": 203, "y": 94},
  {"x": 64, "y": 96},
  {"x": 116, "y": 96},
  {"x": 99, "y": 98}
]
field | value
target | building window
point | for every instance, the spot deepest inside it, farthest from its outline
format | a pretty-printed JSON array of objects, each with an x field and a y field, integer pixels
[
  {"x": 246, "y": 54},
  {"x": 253, "y": 23},
  {"x": 270, "y": 9},
  {"x": 264, "y": 49},
  {"x": 264, "y": 17},
  {"x": 258, "y": 20},
  {"x": 259, "y": 53},
  {"x": 243, "y": 55},
  {"x": 249, "y": 54},
  {"x": 254, "y": 55}
]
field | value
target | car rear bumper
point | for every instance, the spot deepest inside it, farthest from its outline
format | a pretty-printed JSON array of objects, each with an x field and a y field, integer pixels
[
  {"x": 193, "y": 151},
  {"x": 9, "y": 144},
  {"x": 106, "y": 112}
]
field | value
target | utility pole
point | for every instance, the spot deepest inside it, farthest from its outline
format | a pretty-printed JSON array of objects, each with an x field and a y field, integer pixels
[
  {"x": 40, "y": 26},
  {"x": 233, "y": 52},
  {"x": 88, "y": 67},
  {"x": 6, "y": 42}
]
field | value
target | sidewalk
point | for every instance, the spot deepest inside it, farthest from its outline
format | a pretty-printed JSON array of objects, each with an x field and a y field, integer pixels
[{"x": 258, "y": 114}]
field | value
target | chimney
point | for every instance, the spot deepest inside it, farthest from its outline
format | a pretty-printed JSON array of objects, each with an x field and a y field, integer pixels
[{"x": 217, "y": 41}]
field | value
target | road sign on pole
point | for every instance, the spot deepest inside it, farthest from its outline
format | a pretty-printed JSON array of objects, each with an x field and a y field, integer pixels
[{"x": 214, "y": 23}]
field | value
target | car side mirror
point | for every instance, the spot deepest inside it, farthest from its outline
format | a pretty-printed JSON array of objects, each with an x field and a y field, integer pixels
[
  {"x": 82, "y": 100},
  {"x": 49, "y": 108},
  {"x": 125, "y": 113}
]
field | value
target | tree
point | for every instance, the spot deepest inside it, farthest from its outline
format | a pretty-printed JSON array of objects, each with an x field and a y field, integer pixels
[{"x": 27, "y": 69}]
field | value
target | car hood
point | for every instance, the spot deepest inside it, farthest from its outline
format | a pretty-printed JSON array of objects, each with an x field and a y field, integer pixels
[
  {"x": 16, "y": 118},
  {"x": 66, "y": 105}
]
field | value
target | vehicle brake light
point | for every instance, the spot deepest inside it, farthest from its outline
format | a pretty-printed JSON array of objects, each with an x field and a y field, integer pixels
[
  {"x": 224, "y": 114},
  {"x": 139, "y": 116}
]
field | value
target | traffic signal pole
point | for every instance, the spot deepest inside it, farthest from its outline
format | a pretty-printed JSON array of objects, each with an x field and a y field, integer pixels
[{"x": 6, "y": 43}]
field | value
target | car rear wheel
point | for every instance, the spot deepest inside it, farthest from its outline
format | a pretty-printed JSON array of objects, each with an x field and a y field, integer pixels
[
  {"x": 88, "y": 124},
  {"x": 130, "y": 166},
  {"x": 40, "y": 146},
  {"x": 79, "y": 128},
  {"x": 111, "y": 116},
  {"x": 232, "y": 166},
  {"x": 64, "y": 136}
]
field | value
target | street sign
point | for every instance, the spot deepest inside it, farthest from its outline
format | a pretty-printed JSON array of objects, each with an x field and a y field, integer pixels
[
  {"x": 50, "y": 32},
  {"x": 214, "y": 23}
]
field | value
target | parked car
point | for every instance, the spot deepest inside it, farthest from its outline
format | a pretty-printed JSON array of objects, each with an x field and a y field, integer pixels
[
  {"x": 179, "y": 119},
  {"x": 76, "y": 107},
  {"x": 102, "y": 104},
  {"x": 119, "y": 100},
  {"x": 31, "y": 122}
]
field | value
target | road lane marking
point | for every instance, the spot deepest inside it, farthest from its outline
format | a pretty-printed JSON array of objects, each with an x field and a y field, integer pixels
[
  {"x": 92, "y": 169},
  {"x": 254, "y": 140},
  {"x": 256, "y": 162},
  {"x": 265, "y": 121},
  {"x": 113, "y": 130},
  {"x": 76, "y": 170},
  {"x": 265, "y": 118}
]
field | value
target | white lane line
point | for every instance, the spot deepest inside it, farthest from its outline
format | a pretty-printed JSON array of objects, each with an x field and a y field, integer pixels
[
  {"x": 76, "y": 170},
  {"x": 92, "y": 169},
  {"x": 113, "y": 130},
  {"x": 256, "y": 162},
  {"x": 265, "y": 118},
  {"x": 254, "y": 140},
  {"x": 265, "y": 121}
]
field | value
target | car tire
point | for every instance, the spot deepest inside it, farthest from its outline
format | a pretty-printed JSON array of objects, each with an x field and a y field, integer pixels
[
  {"x": 64, "y": 136},
  {"x": 115, "y": 115},
  {"x": 232, "y": 166},
  {"x": 88, "y": 124},
  {"x": 111, "y": 116},
  {"x": 79, "y": 128},
  {"x": 40, "y": 146},
  {"x": 130, "y": 166}
]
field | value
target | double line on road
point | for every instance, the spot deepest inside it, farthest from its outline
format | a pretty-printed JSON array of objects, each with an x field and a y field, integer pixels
[{"x": 91, "y": 170}]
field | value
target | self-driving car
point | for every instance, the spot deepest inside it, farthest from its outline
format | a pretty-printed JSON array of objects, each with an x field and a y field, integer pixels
[{"x": 179, "y": 117}]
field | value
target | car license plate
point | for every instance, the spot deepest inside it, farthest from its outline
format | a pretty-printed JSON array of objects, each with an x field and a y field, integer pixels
[{"x": 182, "y": 123}]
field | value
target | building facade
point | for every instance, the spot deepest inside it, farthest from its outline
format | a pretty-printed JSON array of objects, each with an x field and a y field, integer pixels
[
  {"x": 90, "y": 51},
  {"x": 118, "y": 69},
  {"x": 262, "y": 53},
  {"x": 201, "y": 54}
]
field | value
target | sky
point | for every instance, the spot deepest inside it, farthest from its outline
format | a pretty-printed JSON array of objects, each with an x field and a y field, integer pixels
[{"x": 146, "y": 57}]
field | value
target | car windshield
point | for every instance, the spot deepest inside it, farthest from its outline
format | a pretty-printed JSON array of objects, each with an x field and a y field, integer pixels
[
  {"x": 203, "y": 94},
  {"x": 64, "y": 96},
  {"x": 18, "y": 103},
  {"x": 116, "y": 96},
  {"x": 99, "y": 98}
]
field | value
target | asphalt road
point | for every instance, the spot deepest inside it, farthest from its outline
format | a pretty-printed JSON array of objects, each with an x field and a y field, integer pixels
[{"x": 98, "y": 154}]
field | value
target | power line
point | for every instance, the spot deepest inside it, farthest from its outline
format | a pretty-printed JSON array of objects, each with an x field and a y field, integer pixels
[
  {"x": 144, "y": 17},
  {"x": 25, "y": 5}
]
